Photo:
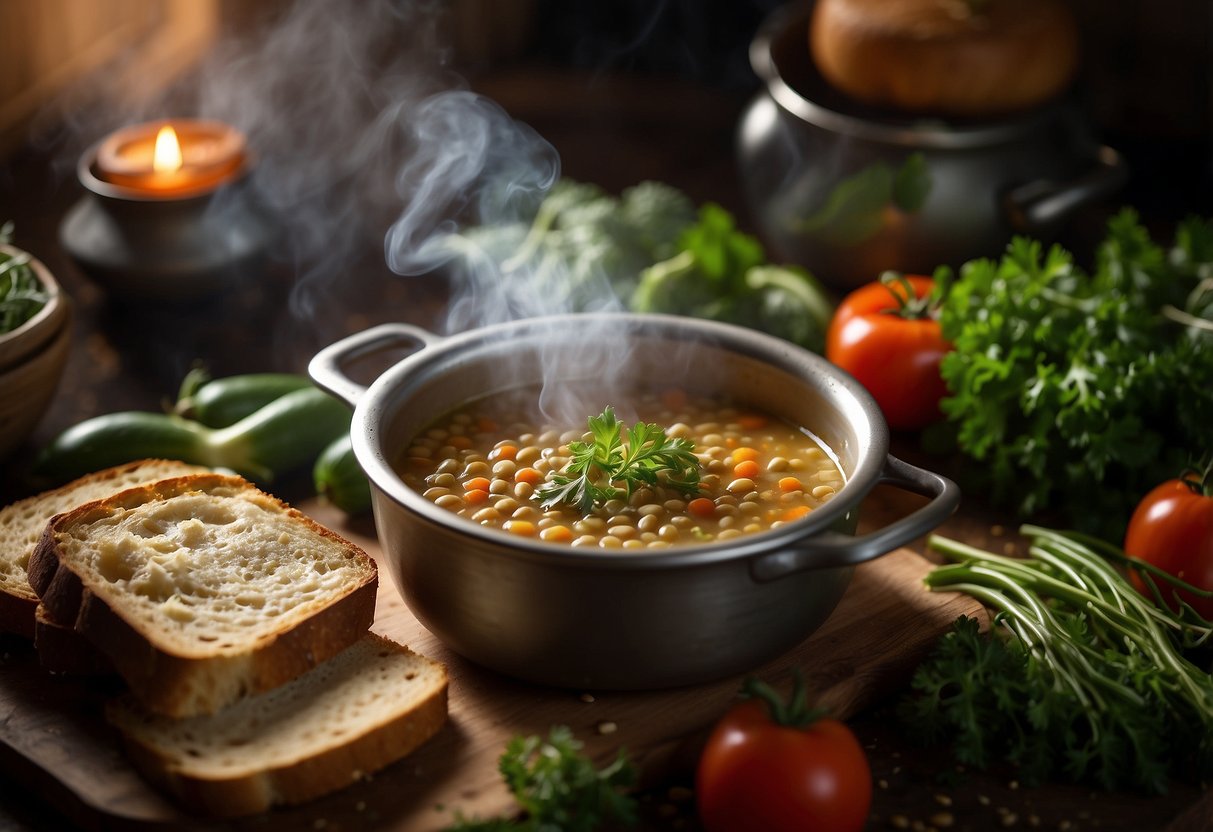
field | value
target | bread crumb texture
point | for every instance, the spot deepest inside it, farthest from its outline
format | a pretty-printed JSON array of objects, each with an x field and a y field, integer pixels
[
  {"x": 22, "y": 522},
  {"x": 212, "y": 569}
]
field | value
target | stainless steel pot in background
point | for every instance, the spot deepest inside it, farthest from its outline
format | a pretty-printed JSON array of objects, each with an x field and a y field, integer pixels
[
  {"x": 596, "y": 619},
  {"x": 849, "y": 192}
]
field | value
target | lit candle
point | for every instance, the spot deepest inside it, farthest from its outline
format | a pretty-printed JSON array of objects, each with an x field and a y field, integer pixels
[{"x": 171, "y": 159}]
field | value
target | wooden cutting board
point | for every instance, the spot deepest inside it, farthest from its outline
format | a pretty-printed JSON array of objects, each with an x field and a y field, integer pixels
[{"x": 53, "y": 740}]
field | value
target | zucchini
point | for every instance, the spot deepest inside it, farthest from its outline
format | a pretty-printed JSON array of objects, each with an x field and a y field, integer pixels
[
  {"x": 339, "y": 478},
  {"x": 284, "y": 435},
  {"x": 221, "y": 402}
]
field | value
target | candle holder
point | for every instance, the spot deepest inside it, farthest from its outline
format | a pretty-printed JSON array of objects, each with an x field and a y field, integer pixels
[{"x": 185, "y": 238}]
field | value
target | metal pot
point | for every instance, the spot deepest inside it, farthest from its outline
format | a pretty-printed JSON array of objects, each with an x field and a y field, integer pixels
[
  {"x": 850, "y": 191},
  {"x": 593, "y": 619}
]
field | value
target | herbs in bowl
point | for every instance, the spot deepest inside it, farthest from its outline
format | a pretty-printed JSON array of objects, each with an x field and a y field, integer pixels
[
  {"x": 35, "y": 338},
  {"x": 22, "y": 294}
]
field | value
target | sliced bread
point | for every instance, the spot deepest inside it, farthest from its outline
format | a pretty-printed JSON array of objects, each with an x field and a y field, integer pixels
[
  {"x": 61, "y": 650},
  {"x": 349, "y": 717},
  {"x": 202, "y": 589},
  {"x": 21, "y": 526}
]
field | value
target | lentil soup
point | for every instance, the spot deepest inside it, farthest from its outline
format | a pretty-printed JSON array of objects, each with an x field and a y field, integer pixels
[{"x": 486, "y": 464}]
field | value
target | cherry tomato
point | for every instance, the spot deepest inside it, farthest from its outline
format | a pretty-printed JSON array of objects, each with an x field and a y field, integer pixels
[
  {"x": 1172, "y": 528},
  {"x": 892, "y": 344},
  {"x": 756, "y": 773}
]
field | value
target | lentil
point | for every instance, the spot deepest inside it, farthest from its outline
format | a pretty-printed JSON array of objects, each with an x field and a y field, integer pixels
[{"x": 487, "y": 466}]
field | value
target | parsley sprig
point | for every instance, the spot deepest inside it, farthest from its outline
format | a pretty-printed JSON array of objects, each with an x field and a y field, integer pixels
[
  {"x": 607, "y": 468},
  {"x": 558, "y": 788},
  {"x": 1084, "y": 678},
  {"x": 1078, "y": 391}
]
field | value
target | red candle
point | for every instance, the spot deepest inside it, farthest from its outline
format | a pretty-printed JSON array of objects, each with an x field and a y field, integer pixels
[{"x": 172, "y": 158}]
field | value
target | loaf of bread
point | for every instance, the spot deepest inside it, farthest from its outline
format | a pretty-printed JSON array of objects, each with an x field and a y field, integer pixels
[
  {"x": 347, "y": 718},
  {"x": 946, "y": 57},
  {"x": 22, "y": 523},
  {"x": 203, "y": 589}
]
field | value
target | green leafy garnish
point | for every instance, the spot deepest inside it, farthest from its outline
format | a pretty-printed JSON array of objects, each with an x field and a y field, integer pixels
[
  {"x": 597, "y": 469},
  {"x": 1085, "y": 678},
  {"x": 21, "y": 293},
  {"x": 558, "y": 788},
  {"x": 1076, "y": 390}
]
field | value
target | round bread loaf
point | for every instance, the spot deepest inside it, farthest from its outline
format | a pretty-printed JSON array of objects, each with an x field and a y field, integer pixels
[{"x": 967, "y": 58}]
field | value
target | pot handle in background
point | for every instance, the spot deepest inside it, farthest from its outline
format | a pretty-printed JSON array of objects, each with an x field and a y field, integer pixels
[
  {"x": 327, "y": 367},
  {"x": 1039, "y": 207},
  {"x": 833, "y": 549}
]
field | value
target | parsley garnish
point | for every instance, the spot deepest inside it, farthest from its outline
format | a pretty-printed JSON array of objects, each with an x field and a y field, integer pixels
[
  {"x": 557, "y": 787},
  {"x": 597, "y": 469}
]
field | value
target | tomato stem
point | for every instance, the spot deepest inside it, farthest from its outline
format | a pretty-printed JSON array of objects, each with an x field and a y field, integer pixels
[
  {"x": 793, "y": 712},
  {"x": 909, "y": 305},
  {"x": 1200, "y": 481}
]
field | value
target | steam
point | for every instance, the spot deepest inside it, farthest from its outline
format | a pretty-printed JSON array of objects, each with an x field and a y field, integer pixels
[
  {"x": 365, "y": 138},
  {"x": 472, "y": 164}
]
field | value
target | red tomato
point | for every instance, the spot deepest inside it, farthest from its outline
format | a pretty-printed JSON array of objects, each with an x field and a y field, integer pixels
[
  {"x": 1172, "y": 528},
  {"x": 758, "y": 774},
  {"x": 893, "y": 347}
]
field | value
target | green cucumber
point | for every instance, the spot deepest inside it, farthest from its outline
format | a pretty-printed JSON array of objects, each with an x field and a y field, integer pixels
[
  {"x": 339, "y": 478},
  {"x": 218, "y": 403},
  {"x": 284, "y": 435},
  {"x": 116, "y": 438}
]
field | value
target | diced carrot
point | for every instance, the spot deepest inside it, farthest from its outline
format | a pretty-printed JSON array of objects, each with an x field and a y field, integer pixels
[
  {"x": 742, "y": 454},
  {"x": 477, "y": 483},
  {"x": 475, "y": 497},
  {"x": 752, "y": 421},
  {"x": 790, "y": 484},
  {"x": 747, "y": 468},
  {"x": 503, "y": 452},
  {"x": 459, "y": 441},
  {"x": 674, "y": 398},
  {"x": 796, "y": 512},
  {"x": 525, "y": 528},
  {"x": 702, "y": 507},
  {"x": 556, "y": 534},
  {"x": 528, "y": 475}
]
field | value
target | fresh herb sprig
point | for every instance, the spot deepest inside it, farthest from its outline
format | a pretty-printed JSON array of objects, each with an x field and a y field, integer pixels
[
  {"x": 1084, "y": 678},
  {"x": 21, "y": 293},
  {"x": 558, "y": 788},
  {"x": 1076, "y": 390},
  {"x": 597, "y": 469}
]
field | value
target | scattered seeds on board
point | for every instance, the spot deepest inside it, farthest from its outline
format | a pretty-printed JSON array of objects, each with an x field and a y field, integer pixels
[
  {"x": 587, "y": 697},
  {"x": 899, "y": 822},
  {"x": 607, "y": 727},
  {"x": 942, "y": 820},
  {"x": 943, "y": 800}
]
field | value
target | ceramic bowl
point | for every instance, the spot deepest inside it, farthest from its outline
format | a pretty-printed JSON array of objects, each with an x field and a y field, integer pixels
[{"x": 32, "y": 358}]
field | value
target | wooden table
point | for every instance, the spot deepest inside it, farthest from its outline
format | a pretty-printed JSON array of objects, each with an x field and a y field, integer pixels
[{"x": 126, "y": 357}]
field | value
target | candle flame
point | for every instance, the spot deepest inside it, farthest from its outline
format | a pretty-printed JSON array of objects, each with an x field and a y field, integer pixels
[{"x": 167, "y": 155}]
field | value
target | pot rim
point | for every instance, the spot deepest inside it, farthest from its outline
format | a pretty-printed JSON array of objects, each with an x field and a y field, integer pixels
[
  {"x": 920, "y": 133},
  {"x": 370, "y": 413}
]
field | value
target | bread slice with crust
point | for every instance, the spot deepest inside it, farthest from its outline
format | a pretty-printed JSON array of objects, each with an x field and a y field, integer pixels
[
  {"x": 22, "y": 522},
  {"x": 203, "y": 589},
  {"x": 347, "y": 718}
]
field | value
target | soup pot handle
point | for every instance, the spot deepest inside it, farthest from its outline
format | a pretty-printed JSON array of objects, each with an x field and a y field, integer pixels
[
  {"x": 327, "y": 367},
  {"x": 1039, "y": 207},
  {"x": 833, "y": 549}
]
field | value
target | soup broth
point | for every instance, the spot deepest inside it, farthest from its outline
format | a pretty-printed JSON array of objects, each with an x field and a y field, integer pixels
[{"x": 486, "y": 461}]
